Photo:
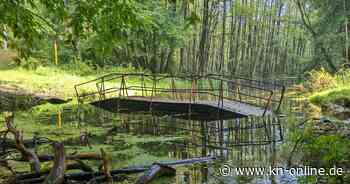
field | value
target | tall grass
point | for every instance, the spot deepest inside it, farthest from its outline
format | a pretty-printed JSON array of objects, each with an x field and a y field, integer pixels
[
  {"x": 326, "y": 88},
  {"x": 52, "y": 80}
]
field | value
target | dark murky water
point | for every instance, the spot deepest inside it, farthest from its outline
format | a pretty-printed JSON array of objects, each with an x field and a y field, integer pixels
[
  {"x": 135, "y": 139},
  {"x": 246, "y": 142}
]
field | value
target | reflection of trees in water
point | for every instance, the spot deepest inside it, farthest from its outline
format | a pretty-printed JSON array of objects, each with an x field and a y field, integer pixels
[
  {"x": 242, "y": 142},
  {"x": 221, "y": 138},
  {"x": 223, "y": 134}
]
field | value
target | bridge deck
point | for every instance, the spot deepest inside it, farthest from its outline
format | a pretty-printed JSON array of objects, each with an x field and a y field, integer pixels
[
  {"x": 232, "y": 106},
  {"x": 201, "y": 109}
]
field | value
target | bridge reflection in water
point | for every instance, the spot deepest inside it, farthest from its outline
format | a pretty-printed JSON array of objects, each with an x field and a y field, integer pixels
[
  {"x": 231, "y": 118},
  {"x": 245, "y": 142},
  {"x": 212, "y": 96}
]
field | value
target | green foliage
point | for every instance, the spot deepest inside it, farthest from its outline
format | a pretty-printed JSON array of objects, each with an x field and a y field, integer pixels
[
  {"x": 322, "y": 151},
  {"x": 320, "y": 80},
  {"x": 31, "y": 64},
  {"x": 23, "y": 23},
  {"x": 307, "y": 179},
  {"x": 244, "y": 9},
  {"x": 7, "y": 59},
  {"x": 78, "y": 67},
  {"x": 327, "y": 88},
  {"x": 143, "y": 34},
  {"x": 327, "y": 19},
  {"x": 330, "y": 96},
  {"x": 329, "y": 150},
  {"x": 108, "y": 23}
]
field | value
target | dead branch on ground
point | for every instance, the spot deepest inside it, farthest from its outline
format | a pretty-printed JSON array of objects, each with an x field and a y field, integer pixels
[
  {"x": 26, "y": 153},
  {"x": 156, "y": 170}
]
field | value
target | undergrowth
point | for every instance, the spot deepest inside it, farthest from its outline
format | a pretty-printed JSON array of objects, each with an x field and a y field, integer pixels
[
  {"x": 324, "y": 88},
  {"x": 54, "y": 80}
]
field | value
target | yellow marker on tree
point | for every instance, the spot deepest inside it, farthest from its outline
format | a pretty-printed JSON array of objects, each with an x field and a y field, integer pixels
[
  {"x": 55, "y": 51},
  {"x": 59, "y": 119}
]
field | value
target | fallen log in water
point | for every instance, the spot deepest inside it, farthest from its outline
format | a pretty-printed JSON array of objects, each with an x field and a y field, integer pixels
[
  {"x": 40, "y": 177},
  {"x": 156, "y": 170},
  {"x": 87, "y": 176}
]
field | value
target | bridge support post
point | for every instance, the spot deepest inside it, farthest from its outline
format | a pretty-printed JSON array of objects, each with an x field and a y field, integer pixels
[
  {"x": 268, "y": 103},
  {"x": 154, "y": 78},
  {"x": 281, "y": 99},
  {"x": 143, "y": 86},
  {"x": 221, "y": 99},
  {"x": 173, "y": 87}
]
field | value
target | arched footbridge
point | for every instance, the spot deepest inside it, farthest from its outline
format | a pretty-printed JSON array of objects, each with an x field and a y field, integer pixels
[{"x": 209, "y": 96}]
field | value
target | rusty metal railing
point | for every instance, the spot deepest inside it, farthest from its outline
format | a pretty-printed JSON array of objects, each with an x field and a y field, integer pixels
[{"x": 189, "y": 88}]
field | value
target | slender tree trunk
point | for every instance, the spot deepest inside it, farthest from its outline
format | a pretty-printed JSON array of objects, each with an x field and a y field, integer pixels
[
  {"x": 183, "y": 54},
  {"x": 204, "y": 39},
  {"x": 232, "y": 40},
  {"x": 55, "y": 47},
  {"x": 5, "y": 38},
  {"x": 238, "y": 37},
  {"x": 306, "y": 21},
  {"x": 222, "y": 50},
  {"x": 347, "y": 59}
]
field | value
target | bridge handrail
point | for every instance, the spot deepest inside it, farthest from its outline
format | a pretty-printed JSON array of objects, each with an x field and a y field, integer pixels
[
  {"x": 247, "y": 79},
  {"x": 118, "y": 75},
  {"x": 179, "y": 76},
  {"x": 222, "y": 78},
  {"x": 194, "y": 77}
]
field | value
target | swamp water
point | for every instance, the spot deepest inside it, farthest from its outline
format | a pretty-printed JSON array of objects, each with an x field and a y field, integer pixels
[{"x": 137, "y": 139}]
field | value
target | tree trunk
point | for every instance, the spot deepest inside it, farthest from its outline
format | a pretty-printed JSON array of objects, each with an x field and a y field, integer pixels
[
  {"x": 347, "y": 58},
  {"x": 203, "y": 55},
  {"x": 222, "y": 49},
  {"x": 56, "y": 175}
]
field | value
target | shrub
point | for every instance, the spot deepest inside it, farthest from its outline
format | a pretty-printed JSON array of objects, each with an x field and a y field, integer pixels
[
  {"x": 343, "y": 76},
  {"x": 7, "y": 59},
  {"x": 320, "y": 80},
  {"x": 31, "y": 63},
  {"x": 78, "y": 67}
]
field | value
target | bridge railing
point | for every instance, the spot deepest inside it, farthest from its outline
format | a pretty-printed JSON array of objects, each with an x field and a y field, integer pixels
[{"x": 183, "y": 88}]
